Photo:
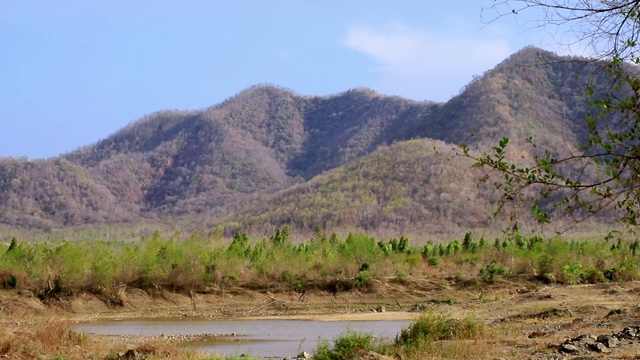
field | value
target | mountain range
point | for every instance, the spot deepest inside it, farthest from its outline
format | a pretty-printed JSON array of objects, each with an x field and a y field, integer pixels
[{"x": 269, "y": 157}]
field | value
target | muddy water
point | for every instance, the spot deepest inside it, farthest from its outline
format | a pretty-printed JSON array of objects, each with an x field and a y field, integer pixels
[{"x": 260, "y": 338}]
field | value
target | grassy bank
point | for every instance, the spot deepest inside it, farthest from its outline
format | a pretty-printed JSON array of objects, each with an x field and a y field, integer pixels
[{"x": 196, "y": 263}]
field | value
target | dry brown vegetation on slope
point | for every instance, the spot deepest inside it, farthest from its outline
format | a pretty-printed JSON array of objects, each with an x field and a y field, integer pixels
[
  {"x": 410, "y": 186},
  {"x": 226, "y": 159}
]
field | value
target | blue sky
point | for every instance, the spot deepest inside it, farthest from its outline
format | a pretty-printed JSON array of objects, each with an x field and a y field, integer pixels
[{"x": 75, "y": 71}]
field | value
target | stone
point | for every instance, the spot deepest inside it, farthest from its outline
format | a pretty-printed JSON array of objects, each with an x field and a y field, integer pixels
[
  {"x": 616, "y": 312},
  {"x": 569, "y": 348},
  {"x": 630, "y": 332},
  {"x": 303, "y": 356},
  {"x": 584, "y": 337},
  {"x": 599, "y": 347},
  {"x": 536, "y": 334},
  {"x": 609, "y": 341},
  {"x": 129, "y": 355},
  {"x": 372, "y": 355}
]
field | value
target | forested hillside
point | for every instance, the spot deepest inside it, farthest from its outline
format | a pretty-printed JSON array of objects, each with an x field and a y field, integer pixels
[
  {"x": 532, "y": 93},
  {"x": 268, "y": 156},
  {"x": 414, "y": 184}
]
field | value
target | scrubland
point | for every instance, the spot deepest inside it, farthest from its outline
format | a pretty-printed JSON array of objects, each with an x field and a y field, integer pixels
[{"x": 472, "y": 298}]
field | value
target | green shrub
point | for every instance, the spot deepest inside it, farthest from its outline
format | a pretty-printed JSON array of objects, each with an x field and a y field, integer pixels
[
  {"x": 346, "y": 346},
  {"x": 545, "y": 263},
  {"x": 573, "y": 274},
  {"x": 454, "y": 247},
  {"x": 430, "y": 327},
  {"x": 624, "y": 271},
  {"x": 488, "y": 273},
  {"x": 413, "y": 260},
  {"x": 13, "y": 245},
  {"x": 362, "y": 280},
  {"x": 467, "y": 243},
  {"x": 360, "y": 246},
  {"x": 11, "y": 282},
  {"x": 287, "y": 277},
  {"x": 207, "y": 279},
  {"x": 594, "y": 276},
  {"x": 445, "y": 301},
  {"x": 403, "y": 244},
  {"x": 282, "y": 239},
  {"x": 634, "y": 247}
]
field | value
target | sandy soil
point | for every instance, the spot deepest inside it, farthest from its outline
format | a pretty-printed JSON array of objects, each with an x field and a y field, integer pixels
[{"x": 533, "y": 319}]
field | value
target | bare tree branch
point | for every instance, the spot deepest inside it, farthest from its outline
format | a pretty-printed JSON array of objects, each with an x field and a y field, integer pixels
[{"x": 609, "y": 27}]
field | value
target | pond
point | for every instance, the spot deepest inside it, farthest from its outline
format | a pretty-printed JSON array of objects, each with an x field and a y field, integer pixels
[{"x": 259, "y": 338}]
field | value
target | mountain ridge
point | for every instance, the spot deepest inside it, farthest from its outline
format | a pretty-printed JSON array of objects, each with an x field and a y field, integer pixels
[{"x": 266, "y": 143}]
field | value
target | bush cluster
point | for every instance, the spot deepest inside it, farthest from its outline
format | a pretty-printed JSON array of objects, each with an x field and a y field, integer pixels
[{"x": 197, "y": 262}]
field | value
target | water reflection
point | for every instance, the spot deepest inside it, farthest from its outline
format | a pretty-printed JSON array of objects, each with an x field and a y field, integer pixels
[{"x": 261, "y": 338}]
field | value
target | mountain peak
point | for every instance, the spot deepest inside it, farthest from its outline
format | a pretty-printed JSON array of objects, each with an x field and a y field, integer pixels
[{"x": 260, "y": 142}]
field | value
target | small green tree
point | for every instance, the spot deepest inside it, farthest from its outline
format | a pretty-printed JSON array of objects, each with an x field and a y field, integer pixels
[
  {"x": 403, "y": 244},
  {"x": 239, "y": 245},
  {"x": 467, "y": 243},
  {"x": 13, "y": 245},
  {"x": 634, "y": 246}
]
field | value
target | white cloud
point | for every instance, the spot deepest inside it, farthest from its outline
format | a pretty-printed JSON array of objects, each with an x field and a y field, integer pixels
[{"x": 420, "y": 64}]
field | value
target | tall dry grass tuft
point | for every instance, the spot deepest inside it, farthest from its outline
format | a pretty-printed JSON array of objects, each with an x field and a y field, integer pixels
[
  {"x": 43, "y": 338},
  {"x": 57, "y": 334},
  {"x": 435, "y": 336},
  {"x": 454, "y": 350},
  {"x": 5, "y": 345},
  {"x": 55, "y": 338}
]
